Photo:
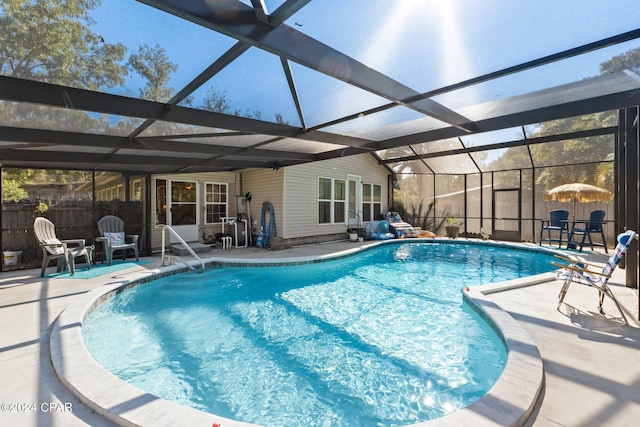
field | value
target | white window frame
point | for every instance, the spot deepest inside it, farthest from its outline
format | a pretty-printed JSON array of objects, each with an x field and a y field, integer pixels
[
  {"x": 207, "y": 203},
  {"x": 332, "y": 201},
  {"x": 371, "y": 203},
  {"x": 354, "y": 201},
  {"x": 136, "y": 190},
  {"x": 120, "y": 192}
]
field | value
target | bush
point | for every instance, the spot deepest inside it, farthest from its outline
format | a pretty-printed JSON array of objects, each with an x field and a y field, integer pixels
[{"x": 12, "y": 192}]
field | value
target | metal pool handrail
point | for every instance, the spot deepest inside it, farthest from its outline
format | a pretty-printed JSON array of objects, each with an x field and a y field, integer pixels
[{"x": 181, "y": 241}]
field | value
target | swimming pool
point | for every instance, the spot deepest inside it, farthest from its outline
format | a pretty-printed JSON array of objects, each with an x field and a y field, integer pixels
[{"x": 309, "y": 344}]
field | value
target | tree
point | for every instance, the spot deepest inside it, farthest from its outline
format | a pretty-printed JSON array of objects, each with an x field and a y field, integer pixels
[
  {"x": 12, "y": 192},
  {"x": 153, "y": 64},
  {"x": 216, "y": 100},
  {"x": 51, "y": 41},
  {"x": 42, "y": 176},
  {"x": 585, "y": 150},
  {"x": 592, "y": 150},
  {"x": 629, "y": 60}
]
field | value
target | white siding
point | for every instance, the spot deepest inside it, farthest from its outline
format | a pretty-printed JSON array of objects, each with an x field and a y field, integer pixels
[
  {"x": 200, "y": 178},
  {"x": 265, "y": 185},
  {"x": 293, "y": 192},
  {"x": 301, "y": 192}
]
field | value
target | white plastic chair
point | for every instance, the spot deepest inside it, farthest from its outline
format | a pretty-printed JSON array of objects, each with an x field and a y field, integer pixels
[{"x": 65, "y": 251}]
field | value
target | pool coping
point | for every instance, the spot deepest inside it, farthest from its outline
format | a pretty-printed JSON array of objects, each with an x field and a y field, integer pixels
[{"x": 508, "y": 403}]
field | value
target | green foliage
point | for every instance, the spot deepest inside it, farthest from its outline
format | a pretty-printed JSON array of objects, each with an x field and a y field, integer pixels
[
  {"x": 452, "y": 221},
  {"x": 596, "y": 151},
  {"x": 154, "y": 65},
  {"x": 12, "y": 191},
  {"x": 14, "y": 179},
  {"x": 44, "y": 176},
  {"x": 55, "y": 42},
  {"x": 51, "y": 41},
  {"x": 630, "y": 60},
  {"x": 216, "y": 100},
  {"x": 42, "y": 208}
]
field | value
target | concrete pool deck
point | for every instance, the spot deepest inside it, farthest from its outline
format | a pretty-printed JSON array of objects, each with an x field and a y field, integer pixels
[{"x": 592, "y": 365}]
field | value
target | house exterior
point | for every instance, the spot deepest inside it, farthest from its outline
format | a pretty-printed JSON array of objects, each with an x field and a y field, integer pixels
[
  {"x": 312, "y": 202},
  {"x": 56, "y": 191}
]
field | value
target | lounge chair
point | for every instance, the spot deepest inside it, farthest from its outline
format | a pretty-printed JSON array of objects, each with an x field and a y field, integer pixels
[
  {"x": 594, "y": 225},
  {"x": 579, "y": 272},
  {"x": 557, "y": 222},
  {"x": 113, "y": 238},
  {"x": 65, "y": 251}
]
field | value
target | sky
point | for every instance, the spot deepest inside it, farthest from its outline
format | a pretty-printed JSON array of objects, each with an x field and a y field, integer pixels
[{"x": 423, "y": 44}]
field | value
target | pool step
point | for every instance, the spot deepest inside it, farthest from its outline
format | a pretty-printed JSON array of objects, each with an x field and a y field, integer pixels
[{"x": 198, "y": 248}]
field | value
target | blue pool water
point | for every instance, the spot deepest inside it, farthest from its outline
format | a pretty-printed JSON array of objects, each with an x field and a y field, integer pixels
[{"x": 380, "y": 338}]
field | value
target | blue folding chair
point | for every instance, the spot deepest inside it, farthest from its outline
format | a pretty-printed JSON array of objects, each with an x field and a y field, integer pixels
[
  {"x": 594, "y": 225},
  {"x": 557, "y": 222},
  {"x": 578, "y": 272}
]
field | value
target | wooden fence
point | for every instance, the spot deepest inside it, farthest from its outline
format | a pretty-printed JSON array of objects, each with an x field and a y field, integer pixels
[{"x": 74, "y": 219}]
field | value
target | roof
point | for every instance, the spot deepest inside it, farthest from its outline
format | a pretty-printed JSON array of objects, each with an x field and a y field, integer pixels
[{"x": 366, "y": 108}]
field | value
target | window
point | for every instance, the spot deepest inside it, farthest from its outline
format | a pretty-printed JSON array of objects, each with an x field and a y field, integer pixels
[
  {"x": 339, "y": 200},
  {"x": 324, "y": 201},
  {"x": 136, "y": 190},
  {"x": 371, "y": 202},
  {"x": 119, "y": 192},
  {"x": 332, "y": 201},
  {"x": 184, "y": 199},
  {"x": 216, "y": 199}
]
